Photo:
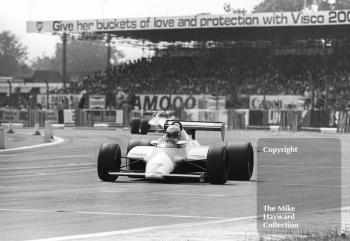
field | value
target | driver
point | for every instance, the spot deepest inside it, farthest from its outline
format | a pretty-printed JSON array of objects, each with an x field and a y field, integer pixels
[{"x": 173, "y": 132}]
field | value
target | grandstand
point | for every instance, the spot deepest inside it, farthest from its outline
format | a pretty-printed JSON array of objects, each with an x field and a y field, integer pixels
[{"x": 262, "y": 62}]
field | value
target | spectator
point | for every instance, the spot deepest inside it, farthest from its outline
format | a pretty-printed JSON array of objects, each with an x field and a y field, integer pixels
[
  {"x": 82, "y": 100},
  {"x": 308, "y": 97},
  {"x": 120, "y": 98}
]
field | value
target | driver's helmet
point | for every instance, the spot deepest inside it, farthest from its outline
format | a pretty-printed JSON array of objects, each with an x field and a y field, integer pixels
[{"x": 173, "y": 132}]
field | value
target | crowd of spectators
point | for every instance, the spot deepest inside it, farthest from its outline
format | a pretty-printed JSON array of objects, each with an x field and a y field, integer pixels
[
  {"x": 234, "y": 72},
  {"x": 237, "y": 72},
  {"x": 16, "y": 101}
]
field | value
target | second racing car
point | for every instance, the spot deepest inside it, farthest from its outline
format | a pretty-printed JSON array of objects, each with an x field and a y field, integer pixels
[{"x": 154, "y": 124}]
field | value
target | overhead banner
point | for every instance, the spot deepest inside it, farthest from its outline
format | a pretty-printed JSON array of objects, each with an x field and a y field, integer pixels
[
  {"x": 97, "y": 101},
  {"x": 340, "y": 17},
  {"x": 59, "y": 101},
  {"x": 276, "y": 102},
  {"x": 166, "y": 102}
]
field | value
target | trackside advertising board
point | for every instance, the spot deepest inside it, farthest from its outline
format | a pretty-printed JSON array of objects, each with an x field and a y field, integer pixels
[
  {"x": 62, "y": 100},
  {"x": 165, "y": 102},
  {"x": 340, "y": 17},
  {"x": 97, "y": 101},
  {"x": 276, "y": 102}
]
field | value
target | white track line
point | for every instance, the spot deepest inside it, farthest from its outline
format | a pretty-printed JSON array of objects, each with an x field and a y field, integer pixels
[
  {"x": 62, "y": 157},
  {"x": 110, "y": 213},
  {"x": 138, "y": 230},
  {"x": 310, "y": 167},
  {"x": 301, "y": 184},
  {"x": 116, "y": 191},
  {"x": 151, "y": 215},
  {"x": 187, "y": 194},
  {"x": 57, "y": 140},
  {"x": 313, "y": 185}
]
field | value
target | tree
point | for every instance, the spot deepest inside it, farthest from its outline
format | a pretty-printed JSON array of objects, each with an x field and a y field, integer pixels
[
  {"x": 342, "y": 4},
  {"x": 12, "y": 54},
  {"x": 298, "y": 5},
  {"x": 45, "y": 63},
  {"x": 82, "y": 57},
  {"x": 229, "y": 9},
  {"x": 279, "y": 6}
]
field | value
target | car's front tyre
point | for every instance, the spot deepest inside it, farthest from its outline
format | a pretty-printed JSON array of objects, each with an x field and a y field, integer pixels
[{"x": 109, "y": 160}]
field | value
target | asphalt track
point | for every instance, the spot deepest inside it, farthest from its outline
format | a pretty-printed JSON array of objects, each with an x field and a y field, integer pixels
[{"x": 53, "y": 193}]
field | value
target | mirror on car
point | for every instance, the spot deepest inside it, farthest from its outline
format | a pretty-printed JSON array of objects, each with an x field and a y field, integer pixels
[
  {"x": 181, "y": 143},
  {"x": 154, "y": 142}
]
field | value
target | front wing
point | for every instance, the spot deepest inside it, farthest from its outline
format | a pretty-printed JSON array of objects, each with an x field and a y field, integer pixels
[{"x": 200, "y": 176}]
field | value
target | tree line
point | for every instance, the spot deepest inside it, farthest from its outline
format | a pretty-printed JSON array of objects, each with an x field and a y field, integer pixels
[{"x": 82, "y": 57}]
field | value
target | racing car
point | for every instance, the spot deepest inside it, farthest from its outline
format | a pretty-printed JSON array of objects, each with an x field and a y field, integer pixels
[
  {"x": 178, "y": 154},
  {"x": 154, "y": 124}
]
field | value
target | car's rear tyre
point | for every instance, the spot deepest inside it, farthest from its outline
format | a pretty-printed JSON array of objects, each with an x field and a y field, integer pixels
[
  {"x": 135, "y": 164},
  {"x": 144, "y": 126},
  {"x": 241, "y": 159},
  {"x": 109, "y": 159},
  {"x": 135, "y": 126},
  {"x": 217, "y": 164}
]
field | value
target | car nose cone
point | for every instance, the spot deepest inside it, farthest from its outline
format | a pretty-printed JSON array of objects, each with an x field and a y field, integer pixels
[{"x": 160, "y": 165}]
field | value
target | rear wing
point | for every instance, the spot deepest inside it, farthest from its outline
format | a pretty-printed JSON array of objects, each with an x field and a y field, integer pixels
[{"x": 192, "y": 126}]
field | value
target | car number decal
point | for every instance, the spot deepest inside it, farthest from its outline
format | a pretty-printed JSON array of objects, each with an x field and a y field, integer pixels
[{"x": 155, "y": 166}]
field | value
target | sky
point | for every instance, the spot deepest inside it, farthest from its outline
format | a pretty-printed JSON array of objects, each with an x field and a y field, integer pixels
[{"x": 15, "y": 13}]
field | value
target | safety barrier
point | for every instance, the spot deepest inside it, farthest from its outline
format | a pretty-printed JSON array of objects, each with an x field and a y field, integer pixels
[
  {"x": 258, "y": 117},
  {"x": 13, "y": 115},
  {"x": 83, "y": 119},
  {"x": 290, "y": 121},
  {"x": 343, "y": 122},
  {"x": 88, "y": 118},
  {"x": 35, "y": 116},
  {"x": 2, "y": 138},
  {"x": 237, "y": 119},
  {"x": 77, "y": 117},
  {"x": 318, "y": 118},
  {"x": 48, "y": 134},
  {"x": 28, "y": 117},
  {"x": 284, "y": 120},
  {"x": 40, "y": 116},
  {"x": 31, "y": 117}
]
